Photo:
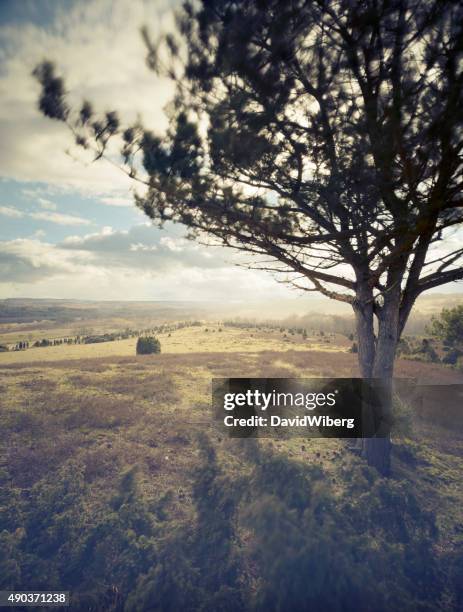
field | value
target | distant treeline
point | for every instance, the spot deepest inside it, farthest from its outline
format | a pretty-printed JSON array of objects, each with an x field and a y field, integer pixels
[
  {"x": 328, "y": 323},
  {"x": 91, "y": 338},
  {"x": 305, "y": 325}
]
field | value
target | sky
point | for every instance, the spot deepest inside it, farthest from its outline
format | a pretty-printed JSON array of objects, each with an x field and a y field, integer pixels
[{"x": 69, "y": 227}]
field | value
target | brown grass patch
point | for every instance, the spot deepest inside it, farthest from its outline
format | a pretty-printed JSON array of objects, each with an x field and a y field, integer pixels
[
  {"x": 27, "y": 463},
  {"x": 97, "y": 412},
  {"x": 39, "y": 385}
]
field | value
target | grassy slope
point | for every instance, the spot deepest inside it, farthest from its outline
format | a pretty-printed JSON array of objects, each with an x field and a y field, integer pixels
[
  {"x": 188, "y": 340},
  {"x": 115, "y": 410}
]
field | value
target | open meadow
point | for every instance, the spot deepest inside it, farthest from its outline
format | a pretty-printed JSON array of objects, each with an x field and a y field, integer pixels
[
  {"x": 111, "y": 461},
  {"x": 203, "y": 339}
]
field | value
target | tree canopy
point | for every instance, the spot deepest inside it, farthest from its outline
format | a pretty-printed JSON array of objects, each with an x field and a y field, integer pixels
[{"x": 326, "y": 135}]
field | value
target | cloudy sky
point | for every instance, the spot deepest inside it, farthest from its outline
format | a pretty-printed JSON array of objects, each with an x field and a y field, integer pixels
[{"x": 68, "y": 227}]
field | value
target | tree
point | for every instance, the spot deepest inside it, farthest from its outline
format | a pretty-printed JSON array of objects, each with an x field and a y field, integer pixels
[
  {"x": 448, "y": 326},
  {"x": 148, "y": 345},
  {"x": 324, "y": 137}
]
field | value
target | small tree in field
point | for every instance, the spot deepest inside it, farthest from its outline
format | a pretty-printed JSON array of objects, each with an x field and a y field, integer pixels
[
  {"x": 324, "y": 137},
  {"x": 448, "y": 326},
  {"x": 148, "y": 345}
]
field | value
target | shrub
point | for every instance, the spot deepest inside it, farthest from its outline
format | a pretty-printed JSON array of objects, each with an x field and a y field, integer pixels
[
  {"x": 148, "y": 345},
  {"x": 354, "y": 348},
  {"x": 315, "y": 552},
  {"x": 452, "y": 356},
  {"x": 403, "y": 347},
  {"x": 448, "y": 326}
]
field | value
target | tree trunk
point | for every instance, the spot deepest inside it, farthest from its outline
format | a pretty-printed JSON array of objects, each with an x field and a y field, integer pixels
[
  {"x": 366, "y": 337},
  {"x": 377, "y": 450},
  {"x": 376, "y": 360}
]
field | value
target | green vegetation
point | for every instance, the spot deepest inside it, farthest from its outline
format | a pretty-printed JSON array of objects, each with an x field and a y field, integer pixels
[
  {"x": 453, "y": 357},
  {"x": 446, "y": 344},
  {"x": 147, "y": 345},
  {"x": 111, "y": 489},
  {"x": 448, "y": 326}
]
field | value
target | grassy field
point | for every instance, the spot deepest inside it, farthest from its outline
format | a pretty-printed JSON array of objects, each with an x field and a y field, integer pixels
[
  {"x": 205, "y": 339},
  {"x": 104, "y": 409},
  {"x": 147, "y": 402}
]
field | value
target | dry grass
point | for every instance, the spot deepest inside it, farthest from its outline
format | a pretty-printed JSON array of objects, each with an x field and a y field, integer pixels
[
  {"x": 111, "y": 411},
  {"x": 187, "y": 340}
]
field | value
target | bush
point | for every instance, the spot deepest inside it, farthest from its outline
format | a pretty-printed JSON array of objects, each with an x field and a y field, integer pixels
[
  {"x": 403, "y": 348},
  {"x": 364, "y": 550},
  {"x": 279, "y": 537},
  {"x": 148, "y": 345},
  {"x": 354, "y": 348},
  {"x": 448, "y": 326},
  {"x": 452, "y": 356},
  {"x": 425, "y": 352}
]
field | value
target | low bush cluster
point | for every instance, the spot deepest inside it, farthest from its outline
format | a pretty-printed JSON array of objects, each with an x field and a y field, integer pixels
[
  {"x": 148, "y": 345},
  {"x": 275, "y": 538}
]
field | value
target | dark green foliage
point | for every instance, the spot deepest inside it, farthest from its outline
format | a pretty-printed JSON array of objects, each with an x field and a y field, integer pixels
[
  {"x": 452, "y": 357},
  {"x": 428, "y": 351},
  {"x": 456, "y": 575},
  {"x": 403, "y": 347},
  {"x": 448, "y": 326},
  {"x": 102, "y": 338},
  {"x": 276, "y": 538},
  {"x": 198, "y": 568},
  {"x": 52, "y": 98},
  {"x": 368, "y": 550},
  {"x": 147, "y": 345}
]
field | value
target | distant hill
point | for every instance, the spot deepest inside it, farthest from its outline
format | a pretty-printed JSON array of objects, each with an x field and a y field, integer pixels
[{"x": 301, "y": 309}]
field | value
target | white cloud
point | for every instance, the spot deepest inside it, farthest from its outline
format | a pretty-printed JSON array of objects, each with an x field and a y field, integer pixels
[
  {"x": 28, "y": 260},
  {"x": 97, "y": 46},
  {"x": 144, "y": 247},
  {"x": 59, "y": 218},
  {"x": 139, "y": 246},
  {"x": 14, "y": 213},
  {"x": 105, "y": 265},
  {"x": 48, "y": 215},
  {"x": 176, "y": 245},
  {"x": 81, "y": 241},
  {"x": 47, "y": 204},
  {"x": 117, "y": 201}
]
